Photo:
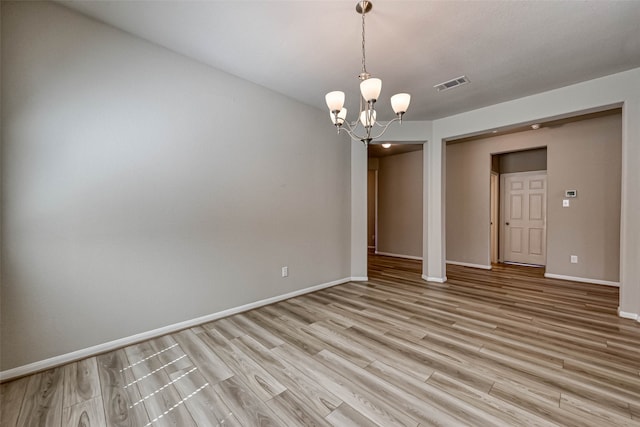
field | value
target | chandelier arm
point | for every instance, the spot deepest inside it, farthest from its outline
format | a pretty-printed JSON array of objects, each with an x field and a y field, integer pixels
[
  {"x": 385, "y": 128},
  {"x": 355, "y": 126},
  {"x": 351, "y": 131},
  {"x": 347, "y": 127},
  {"x": 352, "y": 135},
  {"x": 351, "y": 127}
]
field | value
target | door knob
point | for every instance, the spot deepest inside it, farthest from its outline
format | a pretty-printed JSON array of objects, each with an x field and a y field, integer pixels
[{"x": 507, "y": 223}]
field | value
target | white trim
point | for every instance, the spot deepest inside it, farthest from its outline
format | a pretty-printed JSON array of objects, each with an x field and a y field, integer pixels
[
  {"x": 627, "y": 315},
  {"x": 375, "y": 209},
  {"x": 419, "y": 258},
  {"x": 467, "y": 264},
  {"x": 492, "y": 203},
  {"x": 359, "y": 279},
  {"x": 434, "y": 279},
  {"x": 63, "y": 359},
  {"x": 582, "y": 279}
]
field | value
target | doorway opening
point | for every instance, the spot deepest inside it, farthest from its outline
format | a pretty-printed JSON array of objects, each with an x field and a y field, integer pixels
[
  {"x": 394, "y": 200},
  {"x": 518, "y": 191}
]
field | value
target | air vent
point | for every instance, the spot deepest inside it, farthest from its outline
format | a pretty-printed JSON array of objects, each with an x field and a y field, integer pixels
[{"x": 458, "y": 81}]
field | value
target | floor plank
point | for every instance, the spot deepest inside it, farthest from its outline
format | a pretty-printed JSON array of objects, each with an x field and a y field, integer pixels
[
  {"x": 11, "y": 398},
  {"x": 346, "y": 416},
  {"x": 211, "y": 366},
  {"x": 261, "y": 382},
  {"x": 81, "y": 382},
  {"x": 88, "y": 413},
  {"x": 114, "y": 372},
  {"x": 42, "y": 405},
  {"x": 201, "y": 400},
  {"x": 165, "y": 407},
  {"x": 318, "y": 398},
  {"x": 294, "y": 411},
  {"x": 245, "y": 405}
]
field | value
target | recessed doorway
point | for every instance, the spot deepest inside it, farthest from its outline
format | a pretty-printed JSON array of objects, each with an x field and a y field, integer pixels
[
  {"x": 395, "y": 191},
  {"x": 518, "y": 203}
]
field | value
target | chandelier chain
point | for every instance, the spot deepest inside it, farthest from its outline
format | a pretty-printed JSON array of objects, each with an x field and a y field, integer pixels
[{"x": 364, "y": 67}]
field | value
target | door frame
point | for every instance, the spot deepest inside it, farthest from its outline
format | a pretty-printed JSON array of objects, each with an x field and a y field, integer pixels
[
  {"x": 375, "y": 209},
  {"x": 503, "y": 176},
  {"x": 375, "y": 212},
  {"x": 494, "y": 218}
]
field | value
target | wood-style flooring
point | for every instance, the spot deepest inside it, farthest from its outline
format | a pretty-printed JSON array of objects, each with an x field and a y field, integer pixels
[{"x": 487, "y": 348}]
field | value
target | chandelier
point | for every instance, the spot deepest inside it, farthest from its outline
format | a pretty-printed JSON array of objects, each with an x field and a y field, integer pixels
[{"x": 362, "y": 129}]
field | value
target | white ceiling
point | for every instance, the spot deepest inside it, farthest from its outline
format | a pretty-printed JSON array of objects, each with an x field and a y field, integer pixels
[{"x": 303, "y": 49}]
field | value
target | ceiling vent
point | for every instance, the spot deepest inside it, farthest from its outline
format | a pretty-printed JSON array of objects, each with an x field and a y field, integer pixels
[{"x": 458, "y": 81}]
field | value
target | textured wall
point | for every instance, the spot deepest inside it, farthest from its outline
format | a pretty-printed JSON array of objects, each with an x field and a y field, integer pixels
[{"x": 135, "y": 195}]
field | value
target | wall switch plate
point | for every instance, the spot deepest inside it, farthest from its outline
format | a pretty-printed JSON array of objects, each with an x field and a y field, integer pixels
[
  {"x": 574, "y": 259},
  {"x": 285, "y": 271},
  {"x": 565, "y": 203}
]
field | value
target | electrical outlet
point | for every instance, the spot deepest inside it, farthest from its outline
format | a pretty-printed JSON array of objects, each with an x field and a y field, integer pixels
[
  {"x": 285, "y": 271},
  {"x": 574, "y": 259}
]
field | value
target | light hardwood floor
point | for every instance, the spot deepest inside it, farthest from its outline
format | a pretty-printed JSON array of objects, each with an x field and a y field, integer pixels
[{"x": 487, "y": 348}]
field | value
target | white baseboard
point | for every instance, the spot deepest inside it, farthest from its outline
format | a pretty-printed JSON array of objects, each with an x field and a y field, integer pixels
[
  {"x": 434, "y": 279},
  {"x": 360, "y": 279},
  {"x": 627, "y": 315},
  {"x": 467, "y": 264},
  {"x": 419, "y": 258},
  {"x": 582, "y": 279},
  {"x": 63, "y": 359}
]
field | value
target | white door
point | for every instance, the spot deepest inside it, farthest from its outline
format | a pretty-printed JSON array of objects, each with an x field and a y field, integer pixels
[{"x": 524, "y": 219}]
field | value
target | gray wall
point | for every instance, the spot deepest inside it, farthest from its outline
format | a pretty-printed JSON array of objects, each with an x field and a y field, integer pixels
[
  {"x": 584, "y": 155},
  {"x": 523, "y": 161},
  {"x": 136, "y": 196},
  {"x": 400, "y": 204}
]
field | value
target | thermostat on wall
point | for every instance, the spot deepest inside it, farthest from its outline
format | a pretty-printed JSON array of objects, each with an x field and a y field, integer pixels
[{"x": 570, "y": 193}]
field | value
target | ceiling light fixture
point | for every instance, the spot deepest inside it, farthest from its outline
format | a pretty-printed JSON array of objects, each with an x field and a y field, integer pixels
[
  {"x": 361, "y": 128},
  {"x": 386, "y": 145},
  {"x": 535, "y": 126}
]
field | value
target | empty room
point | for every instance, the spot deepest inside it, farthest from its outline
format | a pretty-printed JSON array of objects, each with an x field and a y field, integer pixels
[{"x": 214, "y": 213}]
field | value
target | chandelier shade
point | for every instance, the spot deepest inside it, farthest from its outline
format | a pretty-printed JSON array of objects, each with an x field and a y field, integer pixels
[
  {"x": 400, "y": 102},
  {"x": 339, "y": 118},
  {"x": 368, "y": 118},
  {"x": 370, "y": 89},
  {"x": 361, "y": 129},
  {"x": 335, "y": 100}
]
